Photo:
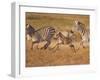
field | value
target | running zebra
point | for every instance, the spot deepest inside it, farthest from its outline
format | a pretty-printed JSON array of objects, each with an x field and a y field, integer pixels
[
  {"x": 43, "y": 34},
  {"x": 66, "y": 38},
  {"x": 80, "y": 27},
  {"x": 83, "y": 31}
]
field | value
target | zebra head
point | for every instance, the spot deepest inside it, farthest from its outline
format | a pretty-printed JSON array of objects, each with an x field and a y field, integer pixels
[
  {"x": 29, "y": 31},
  {"x": 76, "y": 22},
  {"x": 79, "y": 27}
]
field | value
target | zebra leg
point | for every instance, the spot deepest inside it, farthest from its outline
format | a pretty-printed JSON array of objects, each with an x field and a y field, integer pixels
[
  {"x": 57, "y": 46},
  {"x": 72, "y": 47},
  {"x": 82, "y": 43},
  {"x": 33, "y": 44},
  {"x": 46, "y": 45}
]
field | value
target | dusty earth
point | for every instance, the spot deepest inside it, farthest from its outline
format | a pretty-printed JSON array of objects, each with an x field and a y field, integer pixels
[{"x": 63, "y": 55}]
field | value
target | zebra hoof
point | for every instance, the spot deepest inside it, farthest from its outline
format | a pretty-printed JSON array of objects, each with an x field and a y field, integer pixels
[
  {"x": 43, "y": 48},
  {"x": 31, "y": 48},
  {"x": 84, "y": 47}
]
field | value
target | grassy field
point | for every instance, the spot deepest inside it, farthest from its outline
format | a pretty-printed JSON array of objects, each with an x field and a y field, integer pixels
[{"x": 62, "y": 56}]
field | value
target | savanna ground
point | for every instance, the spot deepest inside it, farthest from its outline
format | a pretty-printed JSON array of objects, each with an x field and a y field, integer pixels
[{"x": 62, "y": 56}]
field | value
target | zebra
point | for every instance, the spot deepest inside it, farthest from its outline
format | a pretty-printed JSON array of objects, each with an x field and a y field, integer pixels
[
  {"x": 80, "y": 27},
  {"x": 29, "y": 31},
  {"x": 83, "y": 31},
  {"x": 65, "y": 39},
  {"x": 70, "y": 40},
  {"x": 43, "y": 34}
]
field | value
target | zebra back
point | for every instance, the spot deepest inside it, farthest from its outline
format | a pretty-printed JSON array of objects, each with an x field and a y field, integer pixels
[
  {"x": 44, "y": 33},
  {"x": 47, "y": 33}
]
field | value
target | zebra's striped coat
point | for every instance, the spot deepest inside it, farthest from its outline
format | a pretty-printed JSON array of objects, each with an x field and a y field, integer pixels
[
  {"x": 84, "y": 32},
  {"x": 42, "y": 34}
]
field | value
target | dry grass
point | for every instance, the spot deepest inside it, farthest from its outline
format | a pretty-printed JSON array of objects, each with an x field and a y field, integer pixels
[
  {"x": 58, "y": 21},
  {"x": 62, "y": 56}
]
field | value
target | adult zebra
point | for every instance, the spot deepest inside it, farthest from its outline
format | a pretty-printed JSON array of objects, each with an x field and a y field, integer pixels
[
  {"x": 43, "y": 34},
  {"x": 65, "y": 38},
  {"x": 83, "y": 31}
]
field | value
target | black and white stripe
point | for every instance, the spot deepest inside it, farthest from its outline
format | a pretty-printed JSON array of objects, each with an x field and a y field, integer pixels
[
  {"x": 84, "y": 32},
  {"x": 43, "y": 34},
  {"x": 65, "y": 38},
  {"x": 80, "y": 27}
]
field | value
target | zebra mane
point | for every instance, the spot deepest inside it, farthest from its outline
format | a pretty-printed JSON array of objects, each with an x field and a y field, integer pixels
[
  {"x": 43, "y": 28},
  {"x": 40, "y": 28}
]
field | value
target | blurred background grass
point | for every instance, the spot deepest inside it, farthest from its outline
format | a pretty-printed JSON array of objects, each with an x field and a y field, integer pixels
[{"x": 58, "y": 21}]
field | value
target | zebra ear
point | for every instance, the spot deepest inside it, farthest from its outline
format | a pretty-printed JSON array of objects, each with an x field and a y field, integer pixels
[
  {"x": 76, "y": 21},
  {"x": 27, "y": 25},
  {"x": 72, "y": 31}
]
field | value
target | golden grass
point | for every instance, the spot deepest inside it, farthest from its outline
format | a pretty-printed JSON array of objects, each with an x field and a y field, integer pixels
[
  {"x": 62, "y": 56},
  {"x": 58, "y": 21}
]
